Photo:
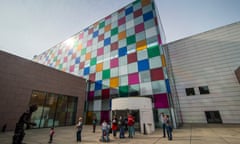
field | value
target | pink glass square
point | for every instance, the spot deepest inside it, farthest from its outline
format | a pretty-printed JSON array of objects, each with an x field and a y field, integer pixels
[
  {"x": 133, "y": 78},
  {"x": 100, "y": 51},
  {"x": 114, "y": 63},
  {"x": 89, "y": 43},
  {"x": 71, "y": 68}
]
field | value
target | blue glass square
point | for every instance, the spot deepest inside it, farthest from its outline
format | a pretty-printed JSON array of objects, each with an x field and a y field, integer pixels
[
  {"x": 122, "y": 51},
  {"x": 148, "y": 16},
  {"x": 168, "y": 86},
  {"x": 70, "y": 52},
  {"x": 128, "y": 10},
  {"x": 77, "y": 60},
  {"x": 98, "y": 85},
  {"x": 86, "y": 71},
  {"x": 143, "y": 65},
  {"x": 95, "y": 34},
  {"x": 107, "y": 41}
]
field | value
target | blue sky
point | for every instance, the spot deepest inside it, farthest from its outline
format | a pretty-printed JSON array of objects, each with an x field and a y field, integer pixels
[{"x": 30, "y": 27}]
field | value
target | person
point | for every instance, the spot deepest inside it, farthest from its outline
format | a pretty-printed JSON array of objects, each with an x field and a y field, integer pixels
[
  {"x": 114, "y": 126},
  {"x": 163, "y": 121},
  {"x": 24, "y": 119},
  {"x": 169, "y": 128},
  {"x": 94, "y": 122},
  {"x": 130, "y": 126},
  {"x": 79, "y": 127},
  {"x": 51, "y": 133},
  {"x": 105, "y": 132},
  {"x": 121, "y": 125}
]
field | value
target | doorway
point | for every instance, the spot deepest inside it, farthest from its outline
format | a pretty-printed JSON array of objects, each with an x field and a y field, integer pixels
[{"x": 213, "y": 117}]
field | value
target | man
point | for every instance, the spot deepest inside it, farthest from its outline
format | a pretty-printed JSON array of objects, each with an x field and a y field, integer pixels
[{"x": 163, "y": 121}]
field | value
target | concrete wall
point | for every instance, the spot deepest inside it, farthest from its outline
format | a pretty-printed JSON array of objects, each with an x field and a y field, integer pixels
[
  {"x": 208, "y": 59},
  {"x": 19, "y": 77},
  {"x": 143, "y": 104}
]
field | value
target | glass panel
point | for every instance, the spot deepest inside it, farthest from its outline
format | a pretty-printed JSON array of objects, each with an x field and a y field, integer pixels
[
  {"x": 146, "y": 88},
  {"x": 134, "y": 90},
  {"x": 71, "y": 110},
  {"x": 132, "y": 68},
  {"x": 49, "y": 110},
  {"x": 158, "y": 87},
  {"x": 155, "y": 62},
  {"x": 39, "y": 99},
  {"x": 97, "y": 104},
  {"x": 123, "y": 80},
  {"x": 61, "y": 111},
  {"x": 145, "y": 76}
]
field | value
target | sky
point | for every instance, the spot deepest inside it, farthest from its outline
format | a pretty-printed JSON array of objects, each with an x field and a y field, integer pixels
[{"x": 30, "y": 27}]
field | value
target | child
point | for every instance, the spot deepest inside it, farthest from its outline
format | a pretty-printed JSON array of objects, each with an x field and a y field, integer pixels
[
  {"x": 169, "y": 128},
  {"x": 51, "y": 135}
]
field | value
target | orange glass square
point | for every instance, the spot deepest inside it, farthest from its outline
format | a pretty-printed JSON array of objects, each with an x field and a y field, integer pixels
[
  {"x": 122, "y": 35},
  {"x": 107, "y": 28},
  {"x": 146, "y": 2},
  {"x": 163, "y": 60},
  {"x": 99, "y": 67},
  {"x": 141, "y": 45},
  {"x": 88, "y": 56},
  {"x": 114, "y": 82}
]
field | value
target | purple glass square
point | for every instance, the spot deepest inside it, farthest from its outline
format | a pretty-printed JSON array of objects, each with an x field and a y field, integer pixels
[
  {"x": 161, "y": 101},
  {"x": 139, "y": 27}
]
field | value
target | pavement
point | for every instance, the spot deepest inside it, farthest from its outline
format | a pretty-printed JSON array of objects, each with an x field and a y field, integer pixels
[{"x": 187, "y": 134}]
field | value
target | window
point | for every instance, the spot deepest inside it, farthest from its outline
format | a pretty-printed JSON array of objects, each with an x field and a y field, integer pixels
[
  {"x": 190, "y": 91},
  {"x": 203, "y": 90}
]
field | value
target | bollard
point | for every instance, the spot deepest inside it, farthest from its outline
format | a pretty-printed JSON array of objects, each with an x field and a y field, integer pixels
[{"x": 144, "y": 129}]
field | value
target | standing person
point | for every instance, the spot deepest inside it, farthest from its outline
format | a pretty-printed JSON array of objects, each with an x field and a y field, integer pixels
[
  {"x": 163, "y": 121},
  {"x": 79, "y": 127},
  {"x": 114, "y": 126},
  {"x": 121, "y": 125},
  {"x": 130, "y": 126},
  {"x": 169, "y": 128},
  {"x": 51, "y": 133},
  {"x": 94, "y": 122}
]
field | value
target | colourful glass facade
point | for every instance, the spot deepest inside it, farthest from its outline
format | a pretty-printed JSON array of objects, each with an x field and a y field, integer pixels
[{"x": 120, "y": 55}]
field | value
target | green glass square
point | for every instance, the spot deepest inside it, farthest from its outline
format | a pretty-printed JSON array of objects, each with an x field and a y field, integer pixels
[
  {"x": 101, "y": 25},
  {"x": 114, "y": 31},
  {"x": 131, "y": 39},
  {"x": 55, "y": 58},
  {"x": 153, "y": 51},
  {"x": 60, "y": 66},
  {"x": 93, "y": 61},
  {"x": 106, "y": 74},
  {"x": 123, "y": 91},
  {"x": 83, "y": 51}
]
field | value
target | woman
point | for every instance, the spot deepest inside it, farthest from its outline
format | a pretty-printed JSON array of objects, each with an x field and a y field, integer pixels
[
  {"x": 79, "y": 126},
  {"x": 114, "y": 126}
]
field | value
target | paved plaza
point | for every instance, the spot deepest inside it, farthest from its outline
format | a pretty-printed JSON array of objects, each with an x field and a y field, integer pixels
[{"x": 188, "y": 134}]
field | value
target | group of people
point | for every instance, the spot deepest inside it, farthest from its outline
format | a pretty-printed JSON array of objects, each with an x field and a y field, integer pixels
[{"x": 121, "y": 124}]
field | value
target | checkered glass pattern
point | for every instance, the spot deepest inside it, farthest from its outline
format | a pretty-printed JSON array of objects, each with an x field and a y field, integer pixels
[{"x": 120, "y": 54}]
